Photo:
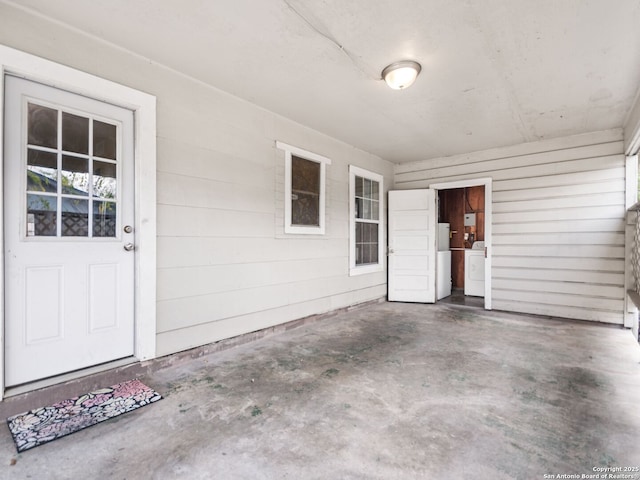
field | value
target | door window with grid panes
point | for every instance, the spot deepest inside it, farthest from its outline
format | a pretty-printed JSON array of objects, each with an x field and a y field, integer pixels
[{"x": 71, "y": 174}]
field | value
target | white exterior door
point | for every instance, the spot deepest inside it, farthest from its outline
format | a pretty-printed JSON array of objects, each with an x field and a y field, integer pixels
[
  {"x": 412, "y": 246},
  {"x": 68, "y": 225}
]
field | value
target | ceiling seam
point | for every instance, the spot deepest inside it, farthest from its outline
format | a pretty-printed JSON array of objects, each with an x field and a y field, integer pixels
[
  {"x": 352, "y": 58},
  {"x": 179, "y": 73}
]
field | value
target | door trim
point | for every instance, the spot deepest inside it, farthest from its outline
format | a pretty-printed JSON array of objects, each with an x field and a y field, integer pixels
[
  {"x": 143, "y": 106},
  {"x": 475, "y": 182}
]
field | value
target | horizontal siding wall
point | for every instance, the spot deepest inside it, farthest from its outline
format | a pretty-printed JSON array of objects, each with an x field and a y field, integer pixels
[
  {"x": 225, "y": 266},
  {"x": 558, "y": 222}
]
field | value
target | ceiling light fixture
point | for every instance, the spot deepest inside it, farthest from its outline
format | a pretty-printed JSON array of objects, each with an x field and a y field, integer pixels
[{"x": 400, "y": 75}]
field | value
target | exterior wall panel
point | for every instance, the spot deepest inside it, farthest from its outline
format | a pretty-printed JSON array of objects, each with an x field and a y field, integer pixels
[
  {"x": 225, "y": 266},
  {"x": 558, "y": 222}
]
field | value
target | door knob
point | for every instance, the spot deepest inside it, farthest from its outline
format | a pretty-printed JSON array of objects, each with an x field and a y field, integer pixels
[{"x": 128, "y": 247}]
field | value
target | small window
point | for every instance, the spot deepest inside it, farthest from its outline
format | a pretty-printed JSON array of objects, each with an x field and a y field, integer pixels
[
  {"x": 305, "y": 192},
  {"x": 304, "y": 208},
  {"x": 366, "y": 221}
]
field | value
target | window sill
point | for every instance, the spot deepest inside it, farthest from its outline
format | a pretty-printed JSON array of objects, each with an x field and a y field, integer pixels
[
  {"x": 365, "y": 269},
  {"x": 291, "y": 230}
]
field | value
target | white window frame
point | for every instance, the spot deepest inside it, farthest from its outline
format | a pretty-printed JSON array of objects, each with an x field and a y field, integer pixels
[
  {"x": 375, "y": 267},
  {"x": 289, "y": 151},
  {"x": 631, "y": 175}
]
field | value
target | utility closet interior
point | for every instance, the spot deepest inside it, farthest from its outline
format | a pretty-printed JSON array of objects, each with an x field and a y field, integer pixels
[{"x": 463, "y": 210}]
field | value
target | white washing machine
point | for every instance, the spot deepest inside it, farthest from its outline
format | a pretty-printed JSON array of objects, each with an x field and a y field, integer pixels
[{"x": 474, "y": 270}]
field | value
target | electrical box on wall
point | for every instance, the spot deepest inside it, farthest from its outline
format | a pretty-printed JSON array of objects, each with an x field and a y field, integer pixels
[{"x": 469, "y": 219}]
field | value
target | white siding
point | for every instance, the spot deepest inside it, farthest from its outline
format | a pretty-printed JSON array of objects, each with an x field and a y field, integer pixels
[
  {"x": 558, "y": 222},
  {"x": 225, "y": 266}
]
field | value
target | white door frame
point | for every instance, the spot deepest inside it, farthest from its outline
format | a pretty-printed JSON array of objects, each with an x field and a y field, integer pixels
[
  {"x": 143, "y": 105},
  {"x": 475, "y": 182}
]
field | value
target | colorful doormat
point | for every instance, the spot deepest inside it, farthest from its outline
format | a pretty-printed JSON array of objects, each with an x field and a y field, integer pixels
[{"x": 31, "y": 429}]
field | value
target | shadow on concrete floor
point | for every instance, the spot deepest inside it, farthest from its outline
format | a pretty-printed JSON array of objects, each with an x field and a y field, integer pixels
[
  {"x": 387, "y": 391},
  {"x": 458, "y": 297}
]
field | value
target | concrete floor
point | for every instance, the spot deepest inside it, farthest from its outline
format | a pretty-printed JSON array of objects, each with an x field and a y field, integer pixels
[
  {"x": 458, "y": 297},
  {"x": 382, "y": 392}
]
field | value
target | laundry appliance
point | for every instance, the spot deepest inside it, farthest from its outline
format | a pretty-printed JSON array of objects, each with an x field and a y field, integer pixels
[
  {"x": 443, "y": 262},
  {"x": 474, "y": 270}
]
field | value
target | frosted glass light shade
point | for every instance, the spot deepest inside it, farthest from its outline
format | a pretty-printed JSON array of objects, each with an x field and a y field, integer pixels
[{"x": 401, "y": 75}]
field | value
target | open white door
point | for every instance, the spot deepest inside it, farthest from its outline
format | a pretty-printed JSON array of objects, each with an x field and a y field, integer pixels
[{"x": 412, "y": 246}]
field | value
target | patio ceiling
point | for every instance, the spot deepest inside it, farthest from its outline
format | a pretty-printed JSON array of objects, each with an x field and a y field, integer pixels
[{"x": 495, "y": 72}]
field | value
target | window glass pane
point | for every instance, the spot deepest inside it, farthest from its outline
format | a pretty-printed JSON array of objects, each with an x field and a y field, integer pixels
[
  {"x": 366, "y": 211},
  {"x": 375, "y": 190},
  {"x": 305, "y": 192},
  {"x": 305, "y": 175},
  {"x": 41, "y": 215},
  {"x": 358, "y": 208},
  {"x": 75, "y": 217},
  {"x": 104, "y": 140},
  {"x": 367, "y": 188},
  {"x": 373, "y": 254},
  {"x": 359, "y": 232},
  {"x": 359, "y": 186},
  {"x": 104, "y": 219},
  {"x": 42, "y": 126},
  {"x": 75, "y": 175},
  {"x": 366, "y": 243},
  {"x": 305, "y": 209},
  {"x": 42, "y": 171},
  {"x": 104, "y": 179},
  {"x": 375, "y": 210},
  {"x": 366, "y": 253},
  {"x": 75, "y": 133}
]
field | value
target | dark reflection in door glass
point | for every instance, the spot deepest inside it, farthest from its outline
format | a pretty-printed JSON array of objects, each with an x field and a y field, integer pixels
[
  {"x": 104, "y": 140},
  {"x": 42, "y": 126},
  {"x": 75, "y": 217},
  {"x": 75, "y": 175},
  {"x": 42, "y": 171},
  {"x": 104, "y": 219},
  {"x": 75, "y": 133},
  {"x": 41, "y": 215},
  {"x": 104, "y": 179}
]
